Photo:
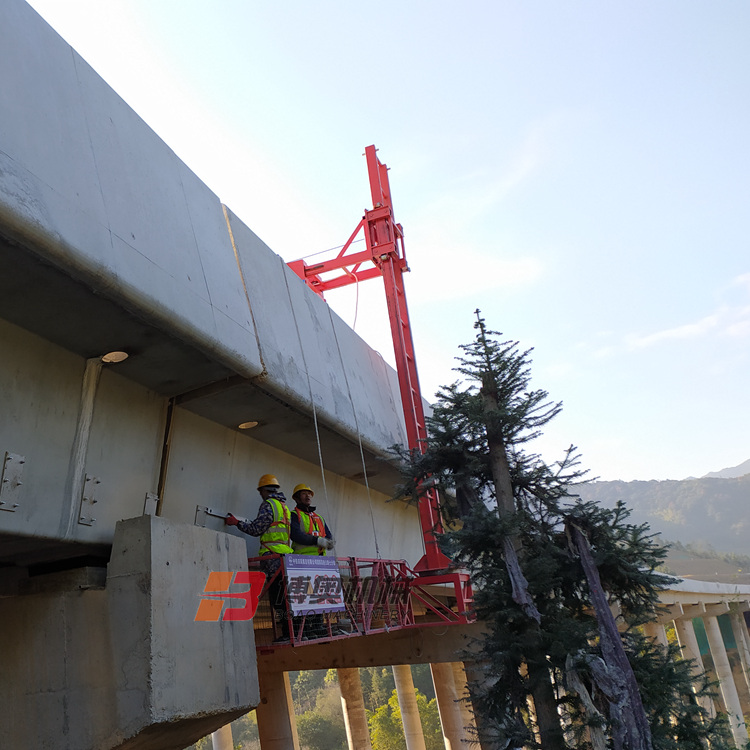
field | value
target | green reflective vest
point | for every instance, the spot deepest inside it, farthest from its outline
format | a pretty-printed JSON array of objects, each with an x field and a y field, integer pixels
[
  {"x": 310, "y": 523},
  {"x": 276, "y": 537}
]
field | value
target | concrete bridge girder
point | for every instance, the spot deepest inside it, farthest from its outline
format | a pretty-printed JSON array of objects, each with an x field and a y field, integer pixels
[
  {"x": 109, "y": 242},
  {"x": 112, "y": 243}
]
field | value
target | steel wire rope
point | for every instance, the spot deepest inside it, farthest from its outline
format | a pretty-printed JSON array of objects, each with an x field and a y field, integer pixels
[
  {"x": 359, "y": 437},
  {"x": 346, "y": 270},
  {"x": 328, "y": 250}
]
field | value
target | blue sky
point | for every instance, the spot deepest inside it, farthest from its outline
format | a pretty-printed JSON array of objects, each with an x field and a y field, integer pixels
[{"x": 579, "y": 171}]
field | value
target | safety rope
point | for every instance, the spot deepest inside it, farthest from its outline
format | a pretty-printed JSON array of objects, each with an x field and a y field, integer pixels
[
  {"x": 359, "y": 437},
  {"x": 356, "y": 298}
]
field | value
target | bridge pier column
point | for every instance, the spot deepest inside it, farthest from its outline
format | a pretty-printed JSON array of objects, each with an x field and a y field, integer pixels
[
  {"x": 407, "y": 702},
  {"x": 655, "y": 631},
  {"x": 277, "y": 727},
  {"x": 353, "y": 705},
  {"x": 221, "y": 739},
  {"x": 739, "y": 629},
  {"x": 726, "y": 678},
  {"x": 447, "y": 700},
  {"x": 478, "y": 683},
  {"x": 690, "y": 650},
  {"x": 462, "y": 691}
]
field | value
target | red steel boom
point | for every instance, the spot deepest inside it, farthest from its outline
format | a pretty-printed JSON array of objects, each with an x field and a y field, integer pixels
[{"x": 385, "y": 257}]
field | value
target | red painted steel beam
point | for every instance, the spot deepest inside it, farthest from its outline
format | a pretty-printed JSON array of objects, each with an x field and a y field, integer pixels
[{"x": 385, "y": 251}]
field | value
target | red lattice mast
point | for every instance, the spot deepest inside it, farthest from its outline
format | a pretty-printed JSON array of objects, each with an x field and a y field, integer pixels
[{"x": 385, "y": 257}]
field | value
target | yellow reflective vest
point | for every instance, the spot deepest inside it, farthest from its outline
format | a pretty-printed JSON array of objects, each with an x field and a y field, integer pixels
[
  {"x": 310, "y": 523},
  {"x": 276, "y": 537}
]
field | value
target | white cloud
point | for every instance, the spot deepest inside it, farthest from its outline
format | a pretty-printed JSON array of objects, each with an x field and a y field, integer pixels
[
  {"x": 740, "y": 329},
  {"x": 559, "y": 370},
  {"x": 459, "y": 272},
  {"x": 479, "y": 192},
  {"x": 688, "y": 331},
  {"x": 528, "y": 159},
  {"x": 726, "y": 321},
  {"x": 604, "y": 351},
  {"x": 742, "y": 280}
]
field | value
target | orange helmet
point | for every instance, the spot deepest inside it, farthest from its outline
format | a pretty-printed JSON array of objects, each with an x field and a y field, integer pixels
[
  {"x": 268, "y": 480},
  {"x": 301, "y": 487}
]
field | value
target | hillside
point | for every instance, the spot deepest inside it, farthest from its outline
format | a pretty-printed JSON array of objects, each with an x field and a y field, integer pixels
[
  {"x": 734, "y": 471},
  {"x": 710, "y": 512}
]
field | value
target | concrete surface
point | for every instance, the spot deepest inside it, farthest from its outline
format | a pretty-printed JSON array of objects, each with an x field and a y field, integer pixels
[
  {"x": 100, "y": 219},
  {"x": 126, "y": 666},
  {"x": 109, "y": 242}
]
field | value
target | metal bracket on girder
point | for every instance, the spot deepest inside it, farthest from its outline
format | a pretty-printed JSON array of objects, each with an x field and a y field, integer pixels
[
  {"x": 88, "y": 500},
  {"x": 150, "y": 504},
  {"x": 202, "y": 512},
  {"x": 11, "y": 481}
]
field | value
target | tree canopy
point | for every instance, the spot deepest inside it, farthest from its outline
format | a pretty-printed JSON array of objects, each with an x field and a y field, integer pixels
[{"x": 548, "y": 568}]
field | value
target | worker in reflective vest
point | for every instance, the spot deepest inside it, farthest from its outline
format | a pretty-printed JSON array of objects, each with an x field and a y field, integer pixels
[
  {"x": 309, "y": 532},
  {"x": 273, "y": 520},
  {"x": 310, "y": 535},
  {"x": 272, "y": 525}
]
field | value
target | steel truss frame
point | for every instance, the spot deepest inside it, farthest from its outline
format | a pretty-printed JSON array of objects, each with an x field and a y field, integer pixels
[{"x": 379, "y": 597}]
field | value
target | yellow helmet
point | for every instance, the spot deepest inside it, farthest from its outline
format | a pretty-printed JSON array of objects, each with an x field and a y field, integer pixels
[
  {"x": 268, "y": 480},
  {"x": 301, "y": 487}
]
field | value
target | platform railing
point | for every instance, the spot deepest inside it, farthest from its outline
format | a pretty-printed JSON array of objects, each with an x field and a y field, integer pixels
[{"x": 347, "y": 597}]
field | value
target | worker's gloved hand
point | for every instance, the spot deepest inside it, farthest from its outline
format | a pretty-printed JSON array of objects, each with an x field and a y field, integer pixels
[
  {"x": 230, "y": 520},
  {"x": 322, "y": 542},
  {"x": 330, "y": 544}
]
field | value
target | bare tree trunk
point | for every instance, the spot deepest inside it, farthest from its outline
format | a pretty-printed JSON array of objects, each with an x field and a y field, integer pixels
[
  {"x": 548, "y": 719},
  {"x": 616, "y": 678},
  {"x": 506, "y": 505}
]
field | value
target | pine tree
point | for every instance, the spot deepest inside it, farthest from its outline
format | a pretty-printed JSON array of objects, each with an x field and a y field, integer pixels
[{"x": 546, "y": 568}]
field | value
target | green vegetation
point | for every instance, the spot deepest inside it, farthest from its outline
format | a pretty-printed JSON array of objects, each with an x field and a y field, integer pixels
[
  {"x": 320, "y": 721},
  {"x": 741, "y": 562},
  {"x": 546, "y": 562},
  {"x": 387, "y": 729},
  {"x": 710, "y": 513},
  {"x": 320, "y": 726},
  {"x": 244, "y": 735},
  {"x": 546, "y": 565}
]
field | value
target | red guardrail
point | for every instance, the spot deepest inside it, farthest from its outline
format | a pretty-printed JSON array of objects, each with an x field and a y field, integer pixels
[{"x": 352, "y": 597}]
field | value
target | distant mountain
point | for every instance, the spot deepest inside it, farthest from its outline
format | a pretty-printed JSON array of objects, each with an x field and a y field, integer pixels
[
  {"x": 711, "y": 512},
  {"x": 735, "y": 471}
]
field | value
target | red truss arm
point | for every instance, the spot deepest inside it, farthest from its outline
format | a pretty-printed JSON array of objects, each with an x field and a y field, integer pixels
[{"x": 385, "y": 257}]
